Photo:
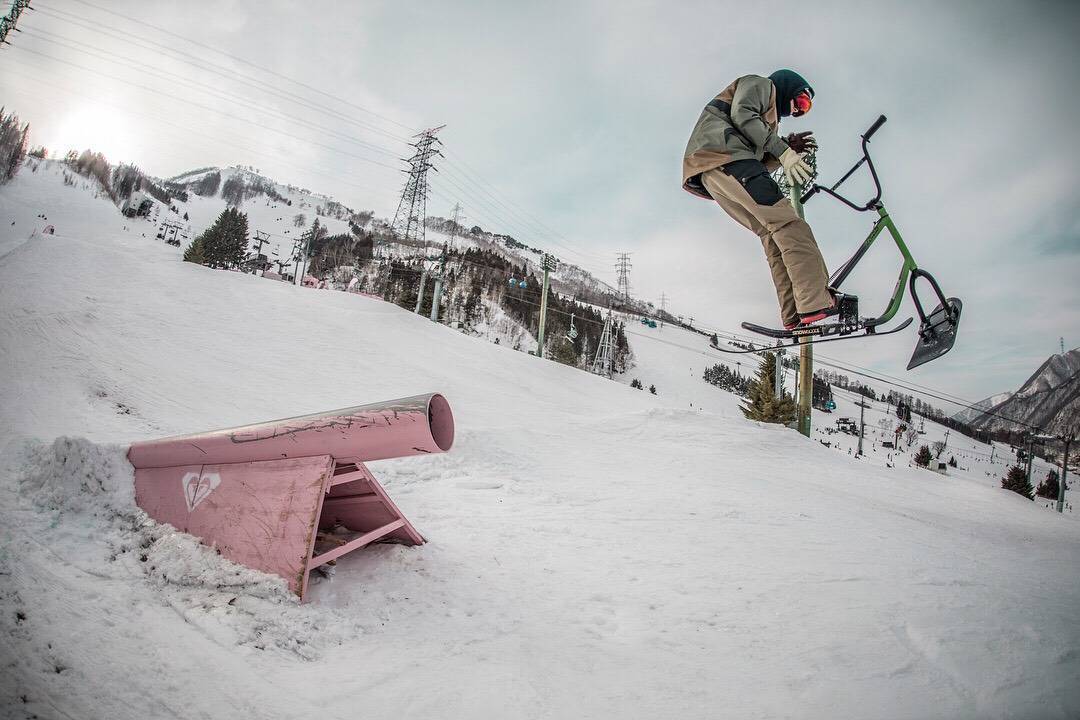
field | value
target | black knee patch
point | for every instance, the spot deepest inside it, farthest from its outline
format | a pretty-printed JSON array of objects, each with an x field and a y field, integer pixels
[
  {"x": 753, "y": 176},
  {"x": 763, "y": 189}
]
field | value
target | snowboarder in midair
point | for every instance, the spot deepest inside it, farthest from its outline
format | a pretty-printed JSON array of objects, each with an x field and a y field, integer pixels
[{"x": 731, "y": 151}]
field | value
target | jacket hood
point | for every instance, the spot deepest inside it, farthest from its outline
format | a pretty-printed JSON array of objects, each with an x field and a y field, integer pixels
[{"x": 788, "y": 84}]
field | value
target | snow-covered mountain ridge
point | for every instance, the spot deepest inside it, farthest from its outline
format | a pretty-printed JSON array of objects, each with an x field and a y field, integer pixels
[
  {"x": 1048, "y": 400},
  {"x": 968, "y": 415}
]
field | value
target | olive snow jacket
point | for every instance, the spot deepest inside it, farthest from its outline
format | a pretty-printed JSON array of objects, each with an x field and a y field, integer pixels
[{"x": 739, "y": 124}]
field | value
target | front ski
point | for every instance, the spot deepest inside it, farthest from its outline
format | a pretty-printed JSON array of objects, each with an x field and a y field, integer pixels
[{"x": 824, "y": 333}]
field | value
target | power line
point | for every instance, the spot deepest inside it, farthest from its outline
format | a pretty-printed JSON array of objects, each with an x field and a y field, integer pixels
[
  {"x": 131, "y": 63},
  {"x": 537, "y": 221},
  {"x": 209, "y": 66},
  {"x": 521, "y": 215},
  {"x": 248, "y": 63},
  {"x": 209, "y": 108}
]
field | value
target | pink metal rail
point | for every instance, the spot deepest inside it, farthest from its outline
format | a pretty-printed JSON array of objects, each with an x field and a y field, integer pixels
[{"x": 288, "y": 496}]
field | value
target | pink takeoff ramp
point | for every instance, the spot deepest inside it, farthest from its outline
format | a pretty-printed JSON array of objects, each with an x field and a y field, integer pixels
[{"x": 287, "y": 496}]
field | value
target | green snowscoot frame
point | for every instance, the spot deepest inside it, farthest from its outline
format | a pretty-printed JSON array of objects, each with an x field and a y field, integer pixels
[{"x": 937, "y": 331}]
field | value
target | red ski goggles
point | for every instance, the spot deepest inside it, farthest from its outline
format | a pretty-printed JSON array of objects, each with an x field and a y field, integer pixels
[{"x": 803, "y": 102}]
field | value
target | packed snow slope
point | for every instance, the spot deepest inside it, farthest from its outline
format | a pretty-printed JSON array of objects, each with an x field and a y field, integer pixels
[
  {"x": 594, "y": 551},
  {"x": 674, "y": 360}
]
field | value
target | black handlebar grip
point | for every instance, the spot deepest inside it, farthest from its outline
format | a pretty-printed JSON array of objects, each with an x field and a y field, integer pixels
[
  {"x": 809, "y": 195},
  {"x": 874, "y": 128}
]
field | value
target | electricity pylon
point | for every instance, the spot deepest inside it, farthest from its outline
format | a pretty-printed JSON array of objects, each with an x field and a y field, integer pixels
[
  {"x": 409, "y": 220},
  {"x": 622, "y": 267},
  {"x": 605, "y": 352}
]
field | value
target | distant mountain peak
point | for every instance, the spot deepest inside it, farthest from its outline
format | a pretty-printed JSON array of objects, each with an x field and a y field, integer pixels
[{"x": 1048, "y": 400}]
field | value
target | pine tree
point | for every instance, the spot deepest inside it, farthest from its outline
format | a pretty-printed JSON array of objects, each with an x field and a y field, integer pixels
[
  {"x": 195, "y": 252},
  {"x": 564, "y": 353},
  {"x": 13, "y": 143},
  {"x": 224, "y": 243},
  {"x": 1016, "y": 480},
  {"x": 923, "y": 457},
  {"x": 762, "y": 403},
  {"x": 1049, "y": 487}
]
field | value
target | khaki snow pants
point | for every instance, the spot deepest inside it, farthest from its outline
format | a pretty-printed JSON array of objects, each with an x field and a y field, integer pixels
[{"x": 798, "y": 270}]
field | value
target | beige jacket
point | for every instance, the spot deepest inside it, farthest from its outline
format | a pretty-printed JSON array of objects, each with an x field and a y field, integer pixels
[{"x": 738, "y": 124}]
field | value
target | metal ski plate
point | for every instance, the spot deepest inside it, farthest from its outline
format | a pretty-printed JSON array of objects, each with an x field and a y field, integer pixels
[{"x": 937, "y": 334}]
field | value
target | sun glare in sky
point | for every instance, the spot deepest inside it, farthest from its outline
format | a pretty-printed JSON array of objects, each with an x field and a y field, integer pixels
[{"x": 93, "y": 127}]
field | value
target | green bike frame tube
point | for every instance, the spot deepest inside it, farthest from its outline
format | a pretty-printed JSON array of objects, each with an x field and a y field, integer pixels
[{"x": 884, "y": 223}]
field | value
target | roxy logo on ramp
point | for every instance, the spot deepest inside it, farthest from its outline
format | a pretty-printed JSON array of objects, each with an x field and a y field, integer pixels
[{"x": 198, "y": 486}]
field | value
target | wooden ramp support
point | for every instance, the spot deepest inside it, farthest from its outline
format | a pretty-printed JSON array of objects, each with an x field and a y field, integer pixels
[{"x": 287, "y": 496}]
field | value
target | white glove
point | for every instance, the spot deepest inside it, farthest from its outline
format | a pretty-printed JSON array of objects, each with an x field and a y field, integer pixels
[{"x": 796, "y": 169}]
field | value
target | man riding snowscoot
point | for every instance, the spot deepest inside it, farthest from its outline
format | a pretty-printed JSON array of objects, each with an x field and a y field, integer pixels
[
  {"x": 731, "y": 151},
  {"x": 728, "y": 158}
]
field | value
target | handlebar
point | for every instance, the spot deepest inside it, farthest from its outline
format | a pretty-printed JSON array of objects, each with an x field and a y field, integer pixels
[
  {"x": 874, "y": 128},
  {"x": 865, "y": 159}
]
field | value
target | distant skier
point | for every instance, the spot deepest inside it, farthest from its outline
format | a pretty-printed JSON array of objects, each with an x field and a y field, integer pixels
[{"x": 731, "y": 151}]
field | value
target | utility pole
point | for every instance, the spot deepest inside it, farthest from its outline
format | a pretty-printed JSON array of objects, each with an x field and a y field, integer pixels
[
  {"x": 305, "y": 242},
  {"x": 297, "y": 244},
  {"x": 1030, "y": 452},
  {"x": 420, "y": 292},
  {"x": 663, "y": 308},
  {"x": 438, "y": 287},
  {"x": 862, "y": 424},
  {"x": 1064, "y": 469},
  {"x": 436, "y": 299},
  {"x": 547, "y": 265},
  {"x": 803, "y": 415},
  {"x": 622, "y": 267},
  {"x": 777, "y": 378},
  {"x": 7, "y": 22},
  {"x": 946, "y": 443}
]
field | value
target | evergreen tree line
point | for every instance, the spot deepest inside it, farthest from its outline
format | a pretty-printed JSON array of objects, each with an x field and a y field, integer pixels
[
  {"x": 1049, "y": 487},
  {"x": 327, "y": 252},
  {"x": 476, "y": 274},
  {"x": 722, "y": 377},
  {"x": 1016, "y": 480},
  {"x": 13, "y": 143},
  {"x": 207, "y": 185}
]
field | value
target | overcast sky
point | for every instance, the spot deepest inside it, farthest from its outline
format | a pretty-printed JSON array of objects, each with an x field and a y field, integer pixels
[{"x": 566, "y": 122}]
